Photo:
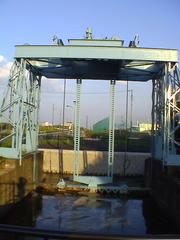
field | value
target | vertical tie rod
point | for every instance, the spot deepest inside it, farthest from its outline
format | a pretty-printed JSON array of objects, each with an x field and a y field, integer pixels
[
  {"x": 111, "y": 128},
  {"x": 77, "y": 129}
]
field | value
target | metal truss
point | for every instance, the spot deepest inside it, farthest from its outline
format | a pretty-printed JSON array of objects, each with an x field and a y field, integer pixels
[
  {"x": 166, "y": 116},
  {"x": 20, "y": 108}
]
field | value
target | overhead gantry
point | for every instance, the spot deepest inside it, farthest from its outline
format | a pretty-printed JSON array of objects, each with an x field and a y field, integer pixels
[{"x": 92, "y": 59}]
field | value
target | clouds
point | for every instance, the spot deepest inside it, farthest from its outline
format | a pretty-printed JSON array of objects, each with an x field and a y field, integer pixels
[
  {"x": 50, "y": 85},
  {"x": 5, "y": 67},
  {"x": 2, "y": 59}
]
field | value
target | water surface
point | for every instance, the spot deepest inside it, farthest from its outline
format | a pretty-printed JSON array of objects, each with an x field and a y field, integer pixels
[{"x": 91, "y": 214}]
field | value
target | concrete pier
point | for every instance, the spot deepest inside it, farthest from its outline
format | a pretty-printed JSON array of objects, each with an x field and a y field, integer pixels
[{"x": 165, "y": 188}]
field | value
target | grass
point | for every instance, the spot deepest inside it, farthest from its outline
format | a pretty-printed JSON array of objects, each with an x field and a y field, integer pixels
[
  {"x": 138, "y": 142},
  {"x": 142, "y": 144}
]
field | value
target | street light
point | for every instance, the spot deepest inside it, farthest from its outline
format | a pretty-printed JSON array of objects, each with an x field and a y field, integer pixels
[
  {"x": 73, "y": 120},
  {"x": 69, "y": 106}
]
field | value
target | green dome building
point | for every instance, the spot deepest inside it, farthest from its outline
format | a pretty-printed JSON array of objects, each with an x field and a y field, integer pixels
[{"x": 102, "y": 125}]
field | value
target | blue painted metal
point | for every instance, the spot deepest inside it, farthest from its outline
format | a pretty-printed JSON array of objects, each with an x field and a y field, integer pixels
[
  {"x": 77, "y": 127},
  {"x": 97, "y": 62},
  {"x": 94, "y": 181},
  {"x": 111, "y": 129},
  {"x": 20, "y": 108},
  {"x": 94, "y": 52},
  {"x": 91, "y": 59},
  {"x": 165, "y": 110}
]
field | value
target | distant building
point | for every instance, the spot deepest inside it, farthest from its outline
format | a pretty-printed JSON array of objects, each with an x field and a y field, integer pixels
[
  {"x": 102, "y": 125},
  {"x": 135, "y": 129},
  {"x": 142, "y": 127},
  {"x": 46, "y": 124},
  {"x": 68, "y": 126},
  {"x": 145, "y": 127}
]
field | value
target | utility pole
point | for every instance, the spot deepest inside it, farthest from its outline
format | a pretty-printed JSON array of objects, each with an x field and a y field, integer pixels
[
  {"x": 53, "y": 115},
  {"x": 64, "y": 104},
  {"x": 126, "y": 129},
  {"x": 86, "y": 121},
  {"x": 131, "y": 108}
]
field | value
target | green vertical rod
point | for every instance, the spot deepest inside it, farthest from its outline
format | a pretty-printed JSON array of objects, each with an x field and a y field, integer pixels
[
  {"x": 111, "y": 129},
  {"x": 77, "y": 129}
]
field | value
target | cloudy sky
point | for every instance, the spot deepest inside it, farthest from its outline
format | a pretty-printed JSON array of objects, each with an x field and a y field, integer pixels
[{"x": 36, "y": 21}]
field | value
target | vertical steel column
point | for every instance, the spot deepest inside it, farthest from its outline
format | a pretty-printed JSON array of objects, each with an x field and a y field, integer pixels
[
  {"x": 168, "y": 103},
  {"x": 19, "y": 108},
  {"x": 77, "y": 129},
  {"x": 32, "y": 105},
  {"x": 172, "y": 111},
  {"x": 175, "y": 98},
  {"x": 111, "y": 128},
  {"x": 165, "y": 81},
  {"x": 173, "y": 120},
  {"x": 37, "y": 108},
  {"x": 35, "y": 125},
  {"x": 167, "y": 127},
  {"x": 153, "y": 128}
]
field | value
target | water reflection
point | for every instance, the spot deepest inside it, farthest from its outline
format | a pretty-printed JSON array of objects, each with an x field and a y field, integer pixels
[{"x": 90, "y": 214}]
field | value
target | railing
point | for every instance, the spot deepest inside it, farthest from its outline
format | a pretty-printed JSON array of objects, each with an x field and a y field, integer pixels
[{"x": 16, "y": 232}]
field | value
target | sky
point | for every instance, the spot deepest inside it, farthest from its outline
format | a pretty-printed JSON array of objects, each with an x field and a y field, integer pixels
[{"x": 37, "y": 21}]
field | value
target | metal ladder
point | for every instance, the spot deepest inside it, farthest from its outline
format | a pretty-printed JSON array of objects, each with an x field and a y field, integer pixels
[
  {"x": 77, "y": 129},
  {"x": 111, "y": 128}
]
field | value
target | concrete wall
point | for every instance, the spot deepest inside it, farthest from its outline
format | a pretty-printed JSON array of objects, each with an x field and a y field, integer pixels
[
  {"x": 17, "y": 181},
  {"x": 165, "y": 188},
  {"x": 92, "y": 162}
]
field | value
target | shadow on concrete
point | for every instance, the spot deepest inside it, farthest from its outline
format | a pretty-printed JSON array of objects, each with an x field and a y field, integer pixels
[
  {"x": 85, "y": 162},
  {"x": 21, "y": 187},
  {"x": 60, "y": 160}
]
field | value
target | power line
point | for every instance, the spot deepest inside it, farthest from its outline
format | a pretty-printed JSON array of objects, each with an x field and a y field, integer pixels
[{"x": 73, "y": 93}]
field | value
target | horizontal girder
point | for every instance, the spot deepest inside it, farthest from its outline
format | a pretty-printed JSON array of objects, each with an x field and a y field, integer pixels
[
  {"x": 97, "y": 52},
  {"x": 96, "y": 62}
]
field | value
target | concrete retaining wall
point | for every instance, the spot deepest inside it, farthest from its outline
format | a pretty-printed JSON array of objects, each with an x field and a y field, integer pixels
[
  {"x": 165, "y": 188},
  {"x": 17, "y": 181},
  {"x": 92, "y": 162}
]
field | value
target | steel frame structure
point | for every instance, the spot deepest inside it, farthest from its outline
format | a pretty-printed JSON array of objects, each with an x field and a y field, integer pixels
[
  {"x": 91, "y": 59},
  {"x": 20, "y": 108},
  {"x": 165, "y": 115}
]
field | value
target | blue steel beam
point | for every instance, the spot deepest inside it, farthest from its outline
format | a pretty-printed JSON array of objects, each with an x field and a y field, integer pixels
[{"x": 96, "y": 52}]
